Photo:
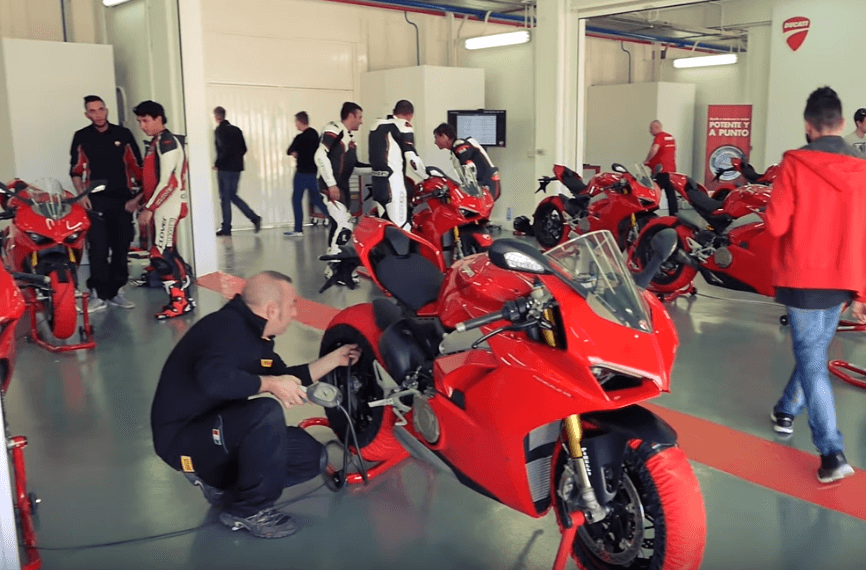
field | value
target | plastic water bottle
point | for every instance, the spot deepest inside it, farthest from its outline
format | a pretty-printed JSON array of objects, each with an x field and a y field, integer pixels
[{"x": 508, "y": 214}]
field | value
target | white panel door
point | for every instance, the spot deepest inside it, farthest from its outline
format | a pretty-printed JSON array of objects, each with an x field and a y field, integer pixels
[{"x": 266, "y": 117}]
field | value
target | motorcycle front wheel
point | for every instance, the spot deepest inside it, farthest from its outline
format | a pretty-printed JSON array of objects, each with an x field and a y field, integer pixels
[
  {"x": 60, "y": 311},
  {"x": 548, "y": 225},
  {"x": 373, "y": 426},
  {"x": 657, "y": 519}
]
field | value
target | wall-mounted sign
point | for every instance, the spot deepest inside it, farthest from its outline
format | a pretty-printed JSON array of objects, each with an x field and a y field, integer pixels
[
  {"x": 795, "y": 31},
  {"x": 729, "y": 135}
]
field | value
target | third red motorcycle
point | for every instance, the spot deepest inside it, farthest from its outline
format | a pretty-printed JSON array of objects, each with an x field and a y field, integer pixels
[{"x": 621, "y": 202}]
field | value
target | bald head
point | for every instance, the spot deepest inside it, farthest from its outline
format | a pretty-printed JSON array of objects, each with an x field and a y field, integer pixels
[
  {"x": 265, "y": 287},
  {"x": 271, "y": 295},
  {"x": 655, "y": 127}
]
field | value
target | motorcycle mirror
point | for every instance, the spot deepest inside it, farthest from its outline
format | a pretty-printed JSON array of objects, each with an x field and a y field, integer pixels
[
  {"x": 617, "y": 167},
  {"x": 324, "y": 394},
  {"x": 663, "y": 245},
  {"x": 516, "y": 255}
]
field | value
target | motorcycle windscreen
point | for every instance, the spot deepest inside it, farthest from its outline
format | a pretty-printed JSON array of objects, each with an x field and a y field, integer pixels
[
  {"x": 592, "y": 265},
  {"x": 48, "y": 204},
  {"x": 643, "y": 175}
]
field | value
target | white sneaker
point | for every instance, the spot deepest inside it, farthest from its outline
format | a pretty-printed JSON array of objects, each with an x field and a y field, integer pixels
[
  {"x": 120, "y": 301},
  {"x": 95, "y": 304}
]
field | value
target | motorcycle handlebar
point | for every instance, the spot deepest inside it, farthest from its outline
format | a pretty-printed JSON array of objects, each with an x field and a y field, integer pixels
[
  {"x": 33, "y": 278},
  {"x": 511, "y": 311}
]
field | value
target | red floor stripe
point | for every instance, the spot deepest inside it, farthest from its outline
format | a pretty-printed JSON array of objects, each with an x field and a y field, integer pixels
[
  {"x": 310, "y": 313},
  {"x": 762, "y": 462}
]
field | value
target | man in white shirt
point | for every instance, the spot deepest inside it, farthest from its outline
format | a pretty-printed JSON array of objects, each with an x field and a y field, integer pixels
[{"x": 857, "y": 139}]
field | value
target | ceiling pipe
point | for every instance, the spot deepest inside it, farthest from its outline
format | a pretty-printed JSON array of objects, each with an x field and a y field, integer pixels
[{"x": 519, "y": 21}]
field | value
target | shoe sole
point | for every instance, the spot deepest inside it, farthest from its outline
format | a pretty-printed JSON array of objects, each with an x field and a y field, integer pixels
[
  {"x": 837, "y": 475},
  {"x": 780, "y": 429},
  {"x": 129, "y": 306}
]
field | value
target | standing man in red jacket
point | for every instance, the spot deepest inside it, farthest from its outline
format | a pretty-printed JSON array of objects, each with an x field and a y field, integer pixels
[
  {"x": 816, "y": 214},
  {"x": 663, "y": 150}
]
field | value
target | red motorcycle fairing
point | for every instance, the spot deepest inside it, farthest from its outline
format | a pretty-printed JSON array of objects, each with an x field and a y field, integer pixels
[
  {"x": 750, "y": 268},
  {"x": 13, "y": 307},
  {"x": 20, "y": 246},
  {"x": 746, "y": 200},
  {"x": 440, "y": 205}
]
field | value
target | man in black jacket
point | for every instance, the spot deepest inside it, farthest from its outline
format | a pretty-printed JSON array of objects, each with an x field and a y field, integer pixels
[
  {"x": 102, "y": 151},
  {"x": 230, "y": 150},
  {"x": 239, "y": 450}
]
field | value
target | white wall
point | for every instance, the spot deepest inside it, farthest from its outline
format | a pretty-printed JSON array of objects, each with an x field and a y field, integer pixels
[
  {"x": 829, "y": 56},
  {"x": 44, "y": 101}
]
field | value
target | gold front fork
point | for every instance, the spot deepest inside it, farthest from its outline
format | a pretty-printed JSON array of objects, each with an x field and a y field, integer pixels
[
  {"x": 458, "y": 251},
  {"x": 574, "y": 433}
]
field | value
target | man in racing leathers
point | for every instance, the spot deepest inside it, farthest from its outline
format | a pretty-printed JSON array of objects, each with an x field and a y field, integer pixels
[
  {"x": 467, "y": 151},
  {"x": 392, "y": 157},
  {"x": 165, "y": 202},
  {"x": 336, "y": 161}
]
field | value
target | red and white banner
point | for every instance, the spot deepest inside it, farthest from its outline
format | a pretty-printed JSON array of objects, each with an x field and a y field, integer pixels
[{"x": 729, "y": 135}]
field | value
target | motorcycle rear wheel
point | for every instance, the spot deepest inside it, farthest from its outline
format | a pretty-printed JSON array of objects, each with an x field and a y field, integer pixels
[
  {"x": 673, "y": 275},
  {"x": 374, "y": 426},
  {"x": 658, "y": 520},
  {"x": 548, "y": 225},
  {"x": 60, "y": 311}
]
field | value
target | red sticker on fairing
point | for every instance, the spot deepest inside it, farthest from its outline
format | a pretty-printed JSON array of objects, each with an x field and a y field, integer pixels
[{"x": 795, "y": 30}]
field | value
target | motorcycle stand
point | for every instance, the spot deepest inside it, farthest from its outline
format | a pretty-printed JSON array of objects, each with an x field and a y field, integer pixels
[
  {"x": 85, "y": 331},
  {"x": 689, "y": 289},
  {"x": 838, "y": 367},
  {"x": 372, "y": 472},
  {"x": 563, "y": 553}
]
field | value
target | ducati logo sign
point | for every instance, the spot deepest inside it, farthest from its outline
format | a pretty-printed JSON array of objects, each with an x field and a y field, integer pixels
[{"x": 795, "y": 30}]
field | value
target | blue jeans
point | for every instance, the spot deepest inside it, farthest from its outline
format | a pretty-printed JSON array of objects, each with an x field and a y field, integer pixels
[
  {"x": 809, "y": 387},
  {"x": 228, "y": 187},
  {"x": 303, "y": 182}
]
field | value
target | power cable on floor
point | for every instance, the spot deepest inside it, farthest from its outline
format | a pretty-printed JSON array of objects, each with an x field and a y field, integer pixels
[{"x": 162, "y": 536}]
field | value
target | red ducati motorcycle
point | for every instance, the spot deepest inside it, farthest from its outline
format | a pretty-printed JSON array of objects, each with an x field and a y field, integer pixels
[
  {"x": 748, "y": 172},
  {"x": 47, "y": 238},
  {"x": 452, "y": 215},
  {"x": 725, "y": 240},
  {"x": 523, "y": 373},
  {"x": 12, "y": 306},
  {"x": 618, "y": 201}
]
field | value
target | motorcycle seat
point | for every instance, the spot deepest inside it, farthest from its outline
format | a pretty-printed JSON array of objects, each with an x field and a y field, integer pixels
[
  {"x": 574, "y": 206},
  {"x": 410, "y": 277}
]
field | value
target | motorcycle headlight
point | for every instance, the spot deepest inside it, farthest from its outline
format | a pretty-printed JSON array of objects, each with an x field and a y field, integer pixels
[
  {"x": 72, "y": 238},
  {"x": 468, "y": 213},
  {"x": 612, "y": 380},
  {"x": 38, "y": 239}
]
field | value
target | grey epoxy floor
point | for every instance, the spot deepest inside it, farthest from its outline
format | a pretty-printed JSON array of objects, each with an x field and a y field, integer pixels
[{"x": 90, "y": 459}]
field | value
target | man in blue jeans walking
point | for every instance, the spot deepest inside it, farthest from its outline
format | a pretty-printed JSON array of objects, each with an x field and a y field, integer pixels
[
  {"x": 229, "y": 163},
  {"x": 816, "y": 214},
  {"x": 303, "y": 148}
]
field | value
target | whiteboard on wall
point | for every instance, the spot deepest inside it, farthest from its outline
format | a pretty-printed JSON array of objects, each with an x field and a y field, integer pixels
[
  {"x": 823, "y": 58},
  {"x": 46, "y": 83}
]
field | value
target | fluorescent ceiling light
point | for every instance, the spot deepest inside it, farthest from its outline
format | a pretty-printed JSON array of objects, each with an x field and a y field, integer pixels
[
  {"x": 496, "y": 40},
  {"x": 704, "y": 61},
  {"x": 113, "y": 2}
]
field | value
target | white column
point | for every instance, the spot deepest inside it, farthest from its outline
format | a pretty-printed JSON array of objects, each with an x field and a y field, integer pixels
[
  {"x": 198, "y": 125},
  {"x": 556, "y": 71},
  {"x": 9, "y": 546}
]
